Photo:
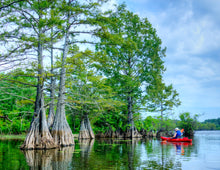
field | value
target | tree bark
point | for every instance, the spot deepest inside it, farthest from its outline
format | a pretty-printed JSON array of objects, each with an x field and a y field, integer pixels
[
  {"x": 61, "y": 131},
  {"x": 86, "y": 131},
  {"x": 6, "y": 118},
  {"x": 52, "y": 88},
  {"x": 39, "y": 136},
  {"x": 130, "y": 131}
]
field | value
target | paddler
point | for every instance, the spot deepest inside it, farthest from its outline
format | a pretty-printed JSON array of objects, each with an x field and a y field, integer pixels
[{"x": 177, "y": 134}]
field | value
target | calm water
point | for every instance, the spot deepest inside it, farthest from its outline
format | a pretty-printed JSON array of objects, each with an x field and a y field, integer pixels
[{"x": 203, "y": 154}]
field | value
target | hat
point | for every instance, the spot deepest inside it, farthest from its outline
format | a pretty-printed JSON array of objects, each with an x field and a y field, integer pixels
[{"x": 176, "y": 128}]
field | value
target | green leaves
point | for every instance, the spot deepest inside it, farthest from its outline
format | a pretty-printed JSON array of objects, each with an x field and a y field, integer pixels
[
  {"x": 128, "y": 61},
  {"x": 188, "y": 123},
  {"x": 129, "y": 54},
  {"x": 90, "y": 92},
  {"x": 160, "y": 97}
]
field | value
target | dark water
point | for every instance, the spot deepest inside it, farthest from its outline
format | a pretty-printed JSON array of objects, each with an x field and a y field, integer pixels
[{"x": 202, "y": 154}]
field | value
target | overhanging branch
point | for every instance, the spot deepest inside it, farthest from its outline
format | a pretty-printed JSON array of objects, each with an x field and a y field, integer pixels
[
  {"x": 6, "y": 118},
  {"x": 5, "y": 6}
]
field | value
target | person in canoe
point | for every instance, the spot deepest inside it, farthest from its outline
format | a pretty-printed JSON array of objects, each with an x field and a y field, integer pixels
[{"x": 177, "y": 134}]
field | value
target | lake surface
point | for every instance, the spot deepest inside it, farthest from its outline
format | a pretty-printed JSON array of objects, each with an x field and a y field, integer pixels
[{"x": 202, "y": 154}]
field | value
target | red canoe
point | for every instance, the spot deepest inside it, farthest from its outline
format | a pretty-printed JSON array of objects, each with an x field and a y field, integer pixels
[{"x": 184, "y": 139}]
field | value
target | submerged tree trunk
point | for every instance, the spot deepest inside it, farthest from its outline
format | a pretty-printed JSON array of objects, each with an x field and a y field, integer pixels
[
  {"x": 61, "y": 131},
  {"x": 39, "y": 136},
  {"x": 86, "y": 131}
]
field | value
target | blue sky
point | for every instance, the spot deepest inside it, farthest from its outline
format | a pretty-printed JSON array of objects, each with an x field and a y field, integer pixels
[{"x": 190, "y": 29}]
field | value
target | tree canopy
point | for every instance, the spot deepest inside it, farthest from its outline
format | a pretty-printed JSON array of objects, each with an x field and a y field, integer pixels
[{"x": 53, "y": 73}]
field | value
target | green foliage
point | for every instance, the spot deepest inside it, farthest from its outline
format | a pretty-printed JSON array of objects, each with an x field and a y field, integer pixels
[
  {"x": 128, "y": 60},
  {"x": 17, "y": 101},
  {"x": 161, "y": 98},
  {"x": 207, "y": 126},
  {"x": 74, "y": 120},
  {"x": 210, "y": 124},
  {"x": 214, "y": 121},
  {"x": 88, "y": 93},
  {"x": 188, "y": 123},
  {"x": 150, "y": 123},
  {"x": 128, "y": 55},
  {"x": 18, "y": 126},
  {"x": 154, "y": 124},
  {"x": 109, "y": 120}
]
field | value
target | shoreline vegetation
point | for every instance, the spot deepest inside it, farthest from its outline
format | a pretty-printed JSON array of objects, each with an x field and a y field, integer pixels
[
  {"x": 23, "y": 136},
  {"x": 150, "y": 127}
]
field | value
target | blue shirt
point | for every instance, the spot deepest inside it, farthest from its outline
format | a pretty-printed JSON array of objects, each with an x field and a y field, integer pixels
[{"x": 178, "y": 134}]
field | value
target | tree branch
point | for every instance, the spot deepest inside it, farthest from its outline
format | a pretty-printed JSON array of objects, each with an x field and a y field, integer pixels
[
  {"x": 5, "y": 6},
  {"x": 19, "y": 96},
  {"x": 5, "y": 117},
  {"x": 20, "y": 82}
]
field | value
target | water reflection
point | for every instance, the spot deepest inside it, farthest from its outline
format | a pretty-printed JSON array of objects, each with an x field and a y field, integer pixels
[
  {"x": 82, "y": 156},
  {"x": 39, "y": 159},
  {"x": 49, "y": 159},
  {"x": 109, "y": 154},
  {"x": 117, "y": 154},
  {"x": 158, "y": 155},
  {"x": 63, "y": 158},
  {"x": 133, "y": 156},
  {"x": 86, "y": 146},
  {"x": 179, "y": 146}
]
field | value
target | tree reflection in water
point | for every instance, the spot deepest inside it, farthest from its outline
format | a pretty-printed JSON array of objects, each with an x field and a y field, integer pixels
[
  {"x": 82, "y": 156},
  {"x": 111, "y": 154},
  {"x": 39, "y": 159},
  {"x": 63, "y": 158},
  {"x": 86, "y": 146},
  {"x": 133, "y": 156},
  {"x": 49, "y": 159}
]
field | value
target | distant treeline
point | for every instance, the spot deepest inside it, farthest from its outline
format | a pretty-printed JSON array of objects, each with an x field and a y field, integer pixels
[{"x": 209, "y": 124}]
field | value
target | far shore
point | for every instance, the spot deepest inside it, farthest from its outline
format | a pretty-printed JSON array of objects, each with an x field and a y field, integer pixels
[{"x": 23, "y": 136}]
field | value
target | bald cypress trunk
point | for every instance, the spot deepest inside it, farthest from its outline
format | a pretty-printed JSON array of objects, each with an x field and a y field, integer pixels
[
  {"x": 83, "y": 133},
  {"x": 39, "y": 136},
  {"x": 130, "y": 130},
  {"x": 86, "y": 131},
  {"x": 52, "y": 87},
  {"x": 61, "y": 131}
]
